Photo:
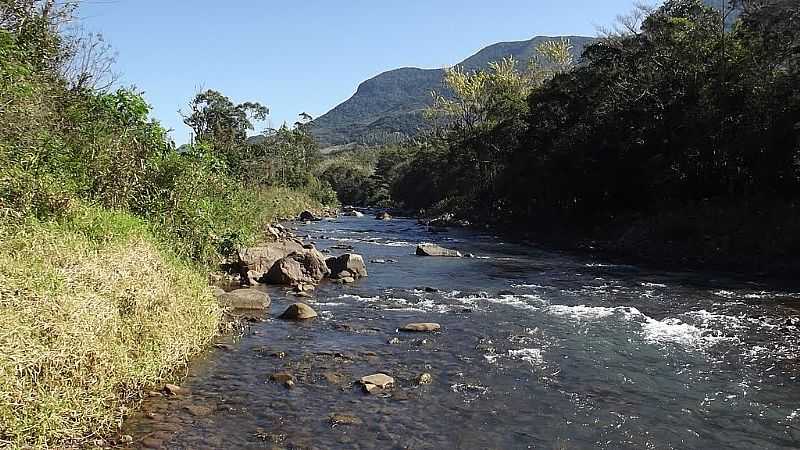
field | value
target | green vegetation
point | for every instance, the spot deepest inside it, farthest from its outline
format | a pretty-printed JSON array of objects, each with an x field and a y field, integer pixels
[
  {"x": 107, "y": 231},
  {"x": 662, "y": 129},
  {"x": 389, "y": 109}
]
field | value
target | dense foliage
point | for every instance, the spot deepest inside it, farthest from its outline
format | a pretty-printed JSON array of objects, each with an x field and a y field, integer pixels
[
  {"x": 63, "y": 142},
  {"x": 106, "y": 229},
  {"x": 681, "y": 129}
]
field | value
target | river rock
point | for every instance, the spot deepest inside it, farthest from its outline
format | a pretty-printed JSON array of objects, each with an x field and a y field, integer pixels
[
  {"x": 347, "y": 265},
  {"x": 284, "y": 378},
  {"x": 374, "y": 384},
  {"x": 298, "y": 311},
  {"x": 345, "y": 419},
  {"x": 261, "y": 258},
  {"x": 425, "y": 378},
  {"x": 300, "y": 268},
  {"x": 421, "y": 327},
  {"x": 307, "y": 216},
  {"x": 436, "y": 250},
  {"x": 285, "y": 271},
  {"x": 173, "y": 389},
  {"x": 353, "y": 213},
  {"x": 383, "y": 216},
  {"x": 251, "y": 299}
]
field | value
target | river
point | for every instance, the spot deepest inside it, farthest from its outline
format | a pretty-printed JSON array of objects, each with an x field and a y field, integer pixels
[{"x": 538, "y": 349}]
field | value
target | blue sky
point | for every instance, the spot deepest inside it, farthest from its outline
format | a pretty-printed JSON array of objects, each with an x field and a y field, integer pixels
[{"x": 296, "y": 56}]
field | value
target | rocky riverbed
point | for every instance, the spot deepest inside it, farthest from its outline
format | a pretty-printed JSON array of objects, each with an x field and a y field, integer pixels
[{"x": 512, "y": 348}]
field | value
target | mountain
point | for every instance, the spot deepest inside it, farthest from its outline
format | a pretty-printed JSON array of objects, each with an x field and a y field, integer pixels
[{"x": 389, "y": 107}]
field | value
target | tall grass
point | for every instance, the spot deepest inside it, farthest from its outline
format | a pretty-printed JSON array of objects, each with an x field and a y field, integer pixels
[{"x": 92, "y": 310}]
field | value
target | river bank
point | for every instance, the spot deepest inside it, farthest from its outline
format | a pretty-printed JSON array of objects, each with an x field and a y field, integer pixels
[
  {"x": 98, "y": 310},
  {"x": 750, "y": 240},
  {"x": 536, "y": 348}
]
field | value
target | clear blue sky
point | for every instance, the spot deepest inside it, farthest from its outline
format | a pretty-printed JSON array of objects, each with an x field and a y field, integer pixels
[{"x": 296, "y": 56}]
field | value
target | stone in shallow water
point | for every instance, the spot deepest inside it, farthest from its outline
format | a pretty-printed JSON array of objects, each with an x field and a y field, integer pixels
[
  {"x": 173, "y": 389},
  {"x": 425, "y": 378},
  {"x": 249, "y": 299},
  {"x": 377, "y": 383},
  {"x": 421, "y": 327},
  {"x": 436, "y": 250},
  {"x": 298, "y": 311},
  {"x": 345, "y": 419}
]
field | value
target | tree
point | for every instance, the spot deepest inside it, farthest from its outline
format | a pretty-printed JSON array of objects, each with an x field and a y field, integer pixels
[{"x": 223, "y": 125}]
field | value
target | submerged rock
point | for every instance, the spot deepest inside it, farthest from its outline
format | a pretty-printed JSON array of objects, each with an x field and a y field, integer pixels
[
  {"x": 421, "y": 327},
  {"x": 284, "y": 378},
  {"x": 250, "y": 299},
  {"x": 436, "y": 250},
  {"x": 298, "y": 311},
  {"x": 344, "y": 419}
]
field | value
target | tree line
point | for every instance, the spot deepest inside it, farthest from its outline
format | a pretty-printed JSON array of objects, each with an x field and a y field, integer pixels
[{"x": 682, "y": 122}]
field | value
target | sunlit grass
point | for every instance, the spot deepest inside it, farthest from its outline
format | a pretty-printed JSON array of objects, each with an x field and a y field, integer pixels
[{"x": 92, "y": 310}]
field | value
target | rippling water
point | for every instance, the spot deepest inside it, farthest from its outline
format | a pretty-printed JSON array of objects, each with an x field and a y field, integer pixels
[{"x": 538, "y": 350}]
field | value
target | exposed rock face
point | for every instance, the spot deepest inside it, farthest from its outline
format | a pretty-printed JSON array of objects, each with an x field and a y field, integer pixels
[
  {"x": 349, "y": 265},
  {"x": 421, "y": 327},
  {"x": 436, "y": 250},
  {"x": 245, "y": 299},
  {"x": 383, "y": 216},
  {"x": 298, "y": 311}
]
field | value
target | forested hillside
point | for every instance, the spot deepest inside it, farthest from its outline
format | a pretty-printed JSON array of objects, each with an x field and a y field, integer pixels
[
  {"x": 676, "y": 139},
  {"x": 390, "y": 107}
]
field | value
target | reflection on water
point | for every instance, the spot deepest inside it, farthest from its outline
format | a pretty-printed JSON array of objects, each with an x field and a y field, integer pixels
[{"x": 538, "y": 350}]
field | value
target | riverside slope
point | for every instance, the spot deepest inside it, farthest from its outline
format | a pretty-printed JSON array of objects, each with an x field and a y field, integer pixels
[{"x": 537, "y": 349}]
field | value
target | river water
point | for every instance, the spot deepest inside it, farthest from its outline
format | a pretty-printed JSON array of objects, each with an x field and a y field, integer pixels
[{"x": 538, "y": 350}]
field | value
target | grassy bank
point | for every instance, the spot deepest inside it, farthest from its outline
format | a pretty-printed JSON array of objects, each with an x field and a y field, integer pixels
[
  {"x": 95, "y": 307},
  {"x": 108, "y": 231}
]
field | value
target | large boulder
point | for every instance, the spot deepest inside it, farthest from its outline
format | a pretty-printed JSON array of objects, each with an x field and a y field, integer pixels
[
  {"x": 305, "y": 267},
  {"x": 349, "y": 265},
  {"x": 298, "y": 311},
  {"x": 262, "y": 257},
  {"x": 251, "y": 299},
  {"x": 436, "y": 250},
  {"x": 286, "y": 271}
]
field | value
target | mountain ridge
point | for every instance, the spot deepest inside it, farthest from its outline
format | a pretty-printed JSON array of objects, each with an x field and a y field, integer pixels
[{"x": 389, "y": 106}]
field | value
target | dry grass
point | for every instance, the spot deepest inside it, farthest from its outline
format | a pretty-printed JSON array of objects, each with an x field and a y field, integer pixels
[{"x": 91, "y": 312}]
